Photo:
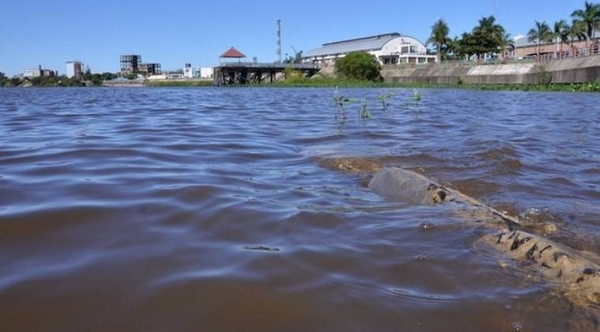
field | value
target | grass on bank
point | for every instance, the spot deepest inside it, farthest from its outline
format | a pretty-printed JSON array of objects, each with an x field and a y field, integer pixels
[{"x": 323, "y": 81}]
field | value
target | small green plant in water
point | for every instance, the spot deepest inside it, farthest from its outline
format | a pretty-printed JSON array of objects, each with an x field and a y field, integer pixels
[
  {"x": 416, "y": 97},
  {"x": 384, "y": 99},
  {"x": 341, "y": 102},
  {"x": 364, "y": 111}
]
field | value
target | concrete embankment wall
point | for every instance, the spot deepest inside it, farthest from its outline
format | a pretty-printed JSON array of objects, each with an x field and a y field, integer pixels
[{"x": 576, "y": 70}]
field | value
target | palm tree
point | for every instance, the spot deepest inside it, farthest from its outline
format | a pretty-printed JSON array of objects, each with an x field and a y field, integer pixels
[
  {"x": 489, "y": 34},
  {"x": 489, "y": 25},
  {"x": 507, "y": 43},
  {"x": 539, "y": 34},
  {"x": 560, "y": 34},
  {"x": 576, "y": 31},
  {"x": 590, "y": 16},
  {"x": 452, "y": 47},
  {"x": 439, "y": 36}
]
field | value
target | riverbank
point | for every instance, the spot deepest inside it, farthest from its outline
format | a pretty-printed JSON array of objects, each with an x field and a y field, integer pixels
[
  {"x": 567, "y": 71},
  {"x": 458, "y": 84}
]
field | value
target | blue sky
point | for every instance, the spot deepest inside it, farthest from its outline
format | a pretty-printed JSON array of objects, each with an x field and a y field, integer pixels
[{"x": 51, "y": 32}]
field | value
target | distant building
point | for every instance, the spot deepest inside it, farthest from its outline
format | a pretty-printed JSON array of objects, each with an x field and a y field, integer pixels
[
  {"x": 130, "y": 63},
  {"x": 188, "y": 71},
  {"x": 149, "y": 69},
  {"x": 39, "y": 72},
  {"x": 522, "y": 48},
  {"x": 31, "y": 73},
  {"x": 206, "y": 72},
  {"x": 391, "y": 48},
  {"x": 197, "y": 72},
  {"x": 74, "y": 69}
]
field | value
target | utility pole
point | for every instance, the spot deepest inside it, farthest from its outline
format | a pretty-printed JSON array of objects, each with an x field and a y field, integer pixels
[{"x": 278, "y": 41}]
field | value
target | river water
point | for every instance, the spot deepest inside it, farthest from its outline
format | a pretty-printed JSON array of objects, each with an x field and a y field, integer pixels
[{"x": 209, "y": 209}]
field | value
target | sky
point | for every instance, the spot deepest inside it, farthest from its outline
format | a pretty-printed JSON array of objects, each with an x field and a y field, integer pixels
[{"x": 175, "y": 32}]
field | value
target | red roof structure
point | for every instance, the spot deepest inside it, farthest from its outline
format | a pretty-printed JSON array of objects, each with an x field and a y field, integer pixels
[{"x": 232, "y": 53}]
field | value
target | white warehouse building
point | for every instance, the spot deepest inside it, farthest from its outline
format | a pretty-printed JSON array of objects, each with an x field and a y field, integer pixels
[{"x": 391, "y": 48}]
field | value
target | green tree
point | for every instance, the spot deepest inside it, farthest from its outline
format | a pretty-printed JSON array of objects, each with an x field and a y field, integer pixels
[
  {"x": 489, "y": 35},
  {"x": 590, "y": 16},
  {"x": 541, "y": 33},
  {"x": 361, "y": 66},
  {"x": 576, "y": 31},
  {"x": 97, "y": 79},
  {"x": 296, "y": 58},
  {"x": 466, "y": 45},
  {"x": 560, "y": 34},
  {"x": 106, "y": 76},
  {"x": 87, "y": 75},
  {"x": 15, "y": 81},
  {"x": 507, "y": 43},
  {"x": 3, "y": 79},
  {"x": 486, "y": 37},
  {"x": 439, "y": 37},
  {"x": 453, "y": 48}
]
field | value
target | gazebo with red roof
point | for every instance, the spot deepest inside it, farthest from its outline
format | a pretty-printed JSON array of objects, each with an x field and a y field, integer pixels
[{"x": 232, "y": 53}]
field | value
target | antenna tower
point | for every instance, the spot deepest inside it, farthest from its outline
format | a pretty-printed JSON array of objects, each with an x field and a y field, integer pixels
[
  {"x": 278, "y": 41},
  {"x": 497, "y": 8}
]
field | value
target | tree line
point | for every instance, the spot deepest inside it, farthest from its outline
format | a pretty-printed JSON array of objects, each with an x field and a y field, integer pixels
[
  {"x": 86, "y": 79},
  {"x": 490, "y": 37}
]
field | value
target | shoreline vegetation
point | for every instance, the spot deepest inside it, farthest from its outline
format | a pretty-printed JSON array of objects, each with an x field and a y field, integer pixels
[
  {"x": 293, "y": 79},
  {"x": 349, "y": 83},
  {"x": 325, "y": 82}
]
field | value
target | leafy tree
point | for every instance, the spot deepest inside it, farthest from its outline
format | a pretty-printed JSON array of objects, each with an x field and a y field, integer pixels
[
  {"x": 453, "y": 47},
  {"x": 541, "y": 33},
  {"x": 576, "y": 31},
  {"x": 506, "y": 42},
  {"x": 15, "y": 81},
  {"x": 439, "y": 37},
  {"x": 465, "y": 45},
  {"x": 590, "y": 16},
  {"x": 87, "y": 75},
  {"x": 106, "y": 76},
  {"x": 359, "y": 66},
  {"x": 3, "y": 79},
  {"x": 486, "y": 37},
  {"x": 296, "y": 58},
  {"x": 97, "y": 79},
  {"x": 489, "y": 35},
  {"x": 560, "y": 34}
]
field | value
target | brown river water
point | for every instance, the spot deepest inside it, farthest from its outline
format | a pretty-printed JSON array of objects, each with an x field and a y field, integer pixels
[{"x": 209, "y": 209}]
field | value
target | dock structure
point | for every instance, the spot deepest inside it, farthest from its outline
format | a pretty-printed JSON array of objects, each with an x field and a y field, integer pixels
[{"x": 242, "y": 73}]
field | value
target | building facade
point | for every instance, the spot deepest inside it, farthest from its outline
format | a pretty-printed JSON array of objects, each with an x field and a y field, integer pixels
[
  {"x": 188, "y": 71},
  {"x": 74, "y": 69},
  {"x": 389, "y": 49},
  {"x": 130, "y": 63},
  {"x": 39, "y": 72},
  {"x": 149, "y": 69},
  {"x": 524, "y": 49}
]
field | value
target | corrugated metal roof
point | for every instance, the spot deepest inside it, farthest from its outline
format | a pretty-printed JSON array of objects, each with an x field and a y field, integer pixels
[{"x": 350, "y": 45}]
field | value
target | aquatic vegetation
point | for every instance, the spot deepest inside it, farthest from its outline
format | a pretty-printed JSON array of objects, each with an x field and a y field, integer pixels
[
  {"x": 416, "y": 97},
  {"x": 384, "y": 99},
  {"x": 341, "y": 102},
  {"x": 364, "y": 111}
]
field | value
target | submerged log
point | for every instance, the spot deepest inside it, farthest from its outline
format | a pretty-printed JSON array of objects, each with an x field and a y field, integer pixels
[
  {"x": 567, "y": 270},
  {"x": 577, "y": 278}
]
